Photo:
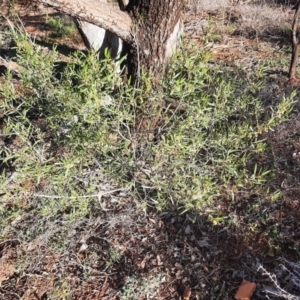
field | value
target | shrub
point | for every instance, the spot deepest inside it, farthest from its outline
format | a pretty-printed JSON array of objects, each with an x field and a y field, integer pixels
[
  {"x": 73, "y": 130},
  {"x": 60, "y": 27}
]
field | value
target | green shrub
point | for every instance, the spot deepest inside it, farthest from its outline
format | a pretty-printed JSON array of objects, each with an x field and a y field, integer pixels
[
  {"x": 60, "y": 27},
  {"x": 60, "y": 128},
  {"x": 71, "y": 129},
  {"x": 208, "y": 152}
]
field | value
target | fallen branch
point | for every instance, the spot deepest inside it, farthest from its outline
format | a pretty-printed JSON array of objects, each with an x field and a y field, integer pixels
[{"x": 99, "y": 13}]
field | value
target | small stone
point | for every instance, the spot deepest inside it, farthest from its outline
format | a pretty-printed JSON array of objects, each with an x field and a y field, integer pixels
[{"x": 245, "y": 290}]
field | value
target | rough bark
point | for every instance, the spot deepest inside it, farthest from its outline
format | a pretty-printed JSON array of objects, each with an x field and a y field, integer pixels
[
  {"x": 158, "y": 25},
  {"x": 295, "y": 43},
  {"x": 149, "y": 28},
  {"x": 294, "y": 60},
  {"x": 98, "y": 13}
]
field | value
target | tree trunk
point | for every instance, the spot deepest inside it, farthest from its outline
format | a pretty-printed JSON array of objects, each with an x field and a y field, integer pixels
[
  {"x": 149, "y": 28},
  {"x": 156, "y": 34},
  {"x": 294, "y": 60},
  {"x": 295, "y": 42}
]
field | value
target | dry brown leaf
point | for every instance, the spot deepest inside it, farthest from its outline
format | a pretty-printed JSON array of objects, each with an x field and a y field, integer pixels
[
  {"x": 144, "y": 261},
  {"x": 104, "y": 289},
  {"x": 7, "y": 270},
  {"x": 187, "y": 293},
  {"x": 159, "y": 262},
  {"x": 205, "y": 269},
  {"x": 143, "y": 229}
]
